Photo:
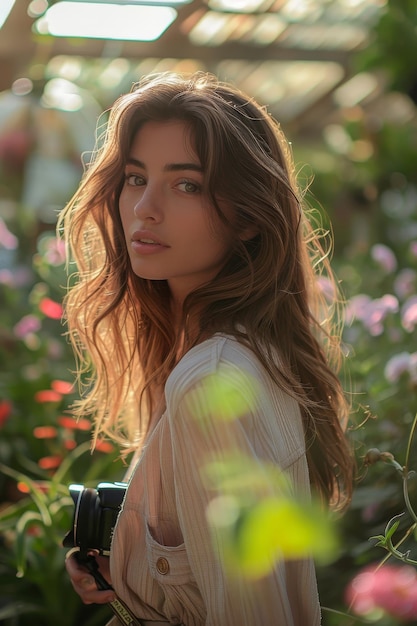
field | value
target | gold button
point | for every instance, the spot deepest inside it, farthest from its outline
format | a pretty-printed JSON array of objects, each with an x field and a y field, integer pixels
[{"x": 162, "y": 566}]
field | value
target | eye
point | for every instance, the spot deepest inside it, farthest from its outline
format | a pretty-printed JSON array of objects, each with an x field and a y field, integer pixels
[
  {"x": 189, "y": 187},
  {"x": 134, "y": 180}
]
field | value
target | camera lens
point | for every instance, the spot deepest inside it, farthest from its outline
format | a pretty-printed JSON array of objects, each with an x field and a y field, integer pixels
[{"x": 95, "y": 516}]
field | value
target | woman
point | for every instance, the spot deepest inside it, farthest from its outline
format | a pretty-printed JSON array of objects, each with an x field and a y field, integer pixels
[{"x": 198, "y": 314}]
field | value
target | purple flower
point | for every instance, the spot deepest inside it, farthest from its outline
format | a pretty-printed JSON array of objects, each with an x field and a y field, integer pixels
[
  {"x": 26, "y": 326},
  {"x": 385, "y": 257}
]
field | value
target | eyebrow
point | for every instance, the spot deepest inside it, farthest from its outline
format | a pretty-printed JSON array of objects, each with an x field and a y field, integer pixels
[{"x": 169, "y": 167}]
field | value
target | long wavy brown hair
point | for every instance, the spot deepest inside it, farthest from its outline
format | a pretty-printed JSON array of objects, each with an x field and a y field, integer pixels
[{"x": 267, "y": 294}]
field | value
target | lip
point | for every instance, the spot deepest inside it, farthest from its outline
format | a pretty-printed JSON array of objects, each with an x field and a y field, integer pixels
[
  {"x": 144, "y": 242},
  {"x": 146, "y": 237}
]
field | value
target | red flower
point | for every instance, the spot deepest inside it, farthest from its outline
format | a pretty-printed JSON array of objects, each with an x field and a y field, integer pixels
[
  {"x": 50, "y": 462},
  {"x": 5, "y": 411},
  {"x": 50, "y": 308},
  {"x": 104, "y": 446},
  {"x": 47, "y": 395},
  {"x": 72, "y": 424},
  {"x": 62, "y": 386},
  {"x": 45, "y": 432},
  {"x": 23, "y": 487}
]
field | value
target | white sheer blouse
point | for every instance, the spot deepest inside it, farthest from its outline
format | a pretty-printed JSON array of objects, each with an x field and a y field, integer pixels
[{"x": 166, "y": 562}]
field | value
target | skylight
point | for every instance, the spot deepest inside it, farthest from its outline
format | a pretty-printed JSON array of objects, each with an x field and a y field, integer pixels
[
  {"x": 103, "y": 20},
  {"x": 5, "y": 8}
]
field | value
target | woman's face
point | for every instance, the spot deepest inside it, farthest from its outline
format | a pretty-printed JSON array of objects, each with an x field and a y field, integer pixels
[{"x": 171, "y": 231}]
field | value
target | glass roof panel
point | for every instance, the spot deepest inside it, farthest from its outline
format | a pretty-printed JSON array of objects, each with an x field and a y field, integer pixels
[
  {"x": 343, "y": 36},
  {"x": 105, "y": 21},
  {"x": 291, "y": 87},
  {"x": 240, "y": 6}
]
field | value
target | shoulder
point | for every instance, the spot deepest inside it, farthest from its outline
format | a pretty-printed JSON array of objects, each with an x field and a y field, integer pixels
[
  {"x": 223, "y": 378},
  {"x": 224, "y": 367},
  {"x": 217, "y": 355}
]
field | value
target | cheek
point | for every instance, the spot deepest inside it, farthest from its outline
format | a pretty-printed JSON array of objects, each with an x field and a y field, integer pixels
[
  {"x": 123, "y": 212},
  {"x": 222, "y": 241}
]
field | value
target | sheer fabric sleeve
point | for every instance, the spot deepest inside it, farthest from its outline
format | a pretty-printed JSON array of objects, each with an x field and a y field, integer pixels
[{"x": 213, "y": 421}]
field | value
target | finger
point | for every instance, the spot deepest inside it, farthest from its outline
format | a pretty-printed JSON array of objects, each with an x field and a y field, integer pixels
[
  {"x": 89, "y": 594},
  {"x": 74, "y": 568},
  {"x": 84, "y": 584},
  {"x": 104, "y": 568}
]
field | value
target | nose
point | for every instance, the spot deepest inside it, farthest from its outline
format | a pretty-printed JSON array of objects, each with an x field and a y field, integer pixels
[{"x": 149, "y": 206}]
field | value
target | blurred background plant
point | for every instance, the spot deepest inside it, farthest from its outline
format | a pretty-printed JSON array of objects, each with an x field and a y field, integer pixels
[
  {"x": 42, "y": 448},
  {"x": 365, "y": 177}
]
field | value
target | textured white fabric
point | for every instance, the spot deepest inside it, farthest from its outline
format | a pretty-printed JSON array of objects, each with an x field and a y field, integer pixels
[{"x": 163, "y": 563}]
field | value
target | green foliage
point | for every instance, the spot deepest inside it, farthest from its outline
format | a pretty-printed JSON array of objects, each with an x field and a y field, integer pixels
[
  {"x": 394, "y": 44},
  {"x": 42, "y": 448}
]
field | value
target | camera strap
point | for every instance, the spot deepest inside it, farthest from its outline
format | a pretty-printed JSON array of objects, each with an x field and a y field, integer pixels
[{"x": 119, "y": 608}]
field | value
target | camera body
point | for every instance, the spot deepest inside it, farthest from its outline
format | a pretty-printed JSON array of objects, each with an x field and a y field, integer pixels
[{"x": 95, "y": 515}]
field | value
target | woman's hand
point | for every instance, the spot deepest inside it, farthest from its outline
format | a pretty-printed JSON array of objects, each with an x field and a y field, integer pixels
[{"x": 83, "y": 581}]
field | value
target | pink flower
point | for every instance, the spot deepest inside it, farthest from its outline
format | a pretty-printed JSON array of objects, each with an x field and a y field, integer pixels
[
  {"x": 6, "y": 277},
  {"x": 50, "y": 308},
  {"x": 391, "y": 588},
  {"x": 409, "y": 314},
  {"x": 356, "y": 307},
  {"x": 405, "y": 283},
  {"x": 7, "y": 239},
  {"x": 397, "y": 366},
  {"x": 55, "y": 251},
  {"x": 26, "y": 326},
  {"x": 371, "y": 312},
  {"x": 19, "y": 277},
  {"x": 385, "y": 257},
  {"x": 326, "y": 287}
]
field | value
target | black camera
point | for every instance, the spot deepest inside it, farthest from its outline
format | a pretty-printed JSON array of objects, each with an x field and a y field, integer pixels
[{"x": 95, "y": 516}]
